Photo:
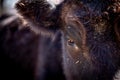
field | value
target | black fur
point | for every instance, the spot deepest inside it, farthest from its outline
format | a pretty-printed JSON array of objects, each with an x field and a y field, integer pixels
[{"x": 78, "y": 40}]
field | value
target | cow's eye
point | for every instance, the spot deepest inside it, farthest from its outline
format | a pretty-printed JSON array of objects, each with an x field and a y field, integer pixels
[
  {"x": 71, "y": 42},
  {"x": 73, "y": 36}
]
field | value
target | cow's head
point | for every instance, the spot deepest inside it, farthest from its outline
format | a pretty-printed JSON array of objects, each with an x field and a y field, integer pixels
[{"x": 87, "y": 28}]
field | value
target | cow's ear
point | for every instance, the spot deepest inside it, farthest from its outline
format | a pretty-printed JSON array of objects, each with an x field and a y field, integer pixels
[
  {"x": 38, "y": 15},
  {"x": 117, "y": 28},
  {"x": 34, "y": 10}
]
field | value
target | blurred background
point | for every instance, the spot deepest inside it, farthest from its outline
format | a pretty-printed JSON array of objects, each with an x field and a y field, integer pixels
[{"x": 7, "y": 6}]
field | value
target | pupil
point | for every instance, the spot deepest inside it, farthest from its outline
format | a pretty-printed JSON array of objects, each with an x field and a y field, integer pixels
[{"x": 70, "y": 42}]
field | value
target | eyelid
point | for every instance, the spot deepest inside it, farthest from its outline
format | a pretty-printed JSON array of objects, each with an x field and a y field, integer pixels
[
  {"x": 73, "y": 36},
  {"x": 73, "y": 32}
]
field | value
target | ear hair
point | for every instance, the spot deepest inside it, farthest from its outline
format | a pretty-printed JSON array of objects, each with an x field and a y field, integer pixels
[
  {"x": 33, "y": 10},
  {"x": 38, "y": 15}
]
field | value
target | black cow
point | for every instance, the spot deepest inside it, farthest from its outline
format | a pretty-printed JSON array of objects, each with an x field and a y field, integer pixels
[{"x": 74, "y": 40}]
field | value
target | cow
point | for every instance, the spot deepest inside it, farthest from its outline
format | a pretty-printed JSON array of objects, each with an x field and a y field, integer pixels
[{"x": 69, "y": 40}]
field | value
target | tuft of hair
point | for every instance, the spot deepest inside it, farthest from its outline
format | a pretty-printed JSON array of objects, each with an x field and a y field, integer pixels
[{"x": 38, "y": 14}]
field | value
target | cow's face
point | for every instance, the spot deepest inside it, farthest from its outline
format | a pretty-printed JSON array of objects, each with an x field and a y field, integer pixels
[
  {"x": 84, "y": 23},
  {"x": 87, "y": 25},
  {"x": 87, "y": 31},
  {"x": 90, "y": 38}
]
